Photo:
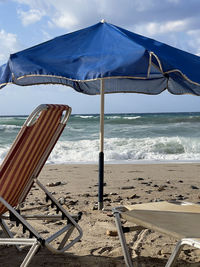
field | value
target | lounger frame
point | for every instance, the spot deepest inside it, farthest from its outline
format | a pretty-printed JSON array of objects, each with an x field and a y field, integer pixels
[{"x": 118, "y": 215}]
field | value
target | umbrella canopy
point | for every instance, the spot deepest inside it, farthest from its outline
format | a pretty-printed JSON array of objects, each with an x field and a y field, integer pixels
[
  {"x": 128, "y": 62},
  {"x": 102, "y": 59}
]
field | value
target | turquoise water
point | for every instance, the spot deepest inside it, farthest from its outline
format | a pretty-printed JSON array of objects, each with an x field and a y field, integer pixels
[{"x": 128, "y": 137}]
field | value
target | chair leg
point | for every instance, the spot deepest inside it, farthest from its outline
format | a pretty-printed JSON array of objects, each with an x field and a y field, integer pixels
[
  {"x": 66, "y": 237},
  {"x": 175, "y": 254},
  {"x": 33, "y": 242},
  {"x": 7, "y": 232},
  {"x": 5, "y": 229},
  {"x": 122, "y": 239},
  {"x": 30, "y": 254},
  {"x": 185, "y": 241}
]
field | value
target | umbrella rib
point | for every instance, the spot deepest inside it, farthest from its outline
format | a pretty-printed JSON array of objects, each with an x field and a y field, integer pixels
[{"x": 158, "y": 60}]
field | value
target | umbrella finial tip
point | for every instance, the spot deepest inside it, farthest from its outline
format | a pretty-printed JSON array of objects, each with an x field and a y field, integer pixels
[{"x": 103, "y": 21}]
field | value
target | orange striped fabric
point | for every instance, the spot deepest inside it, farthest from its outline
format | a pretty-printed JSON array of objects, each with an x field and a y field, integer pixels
[{"x": 28, "y": 152}]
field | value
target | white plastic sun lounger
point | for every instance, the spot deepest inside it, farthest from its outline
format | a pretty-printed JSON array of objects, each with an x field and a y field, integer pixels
[{"x": 177, "y": 219}]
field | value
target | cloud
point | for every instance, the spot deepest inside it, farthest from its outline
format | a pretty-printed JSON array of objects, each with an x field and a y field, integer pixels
[
  {"x": 68, "y": 14},
  {"x": 74, "y": 15},
  {"x": 65, "y": 20},
  {"x": 8, "y": 45},
  {"x": 194, "y": 40},
  {"x": 168, "y": 21},
  {"x": 155, "y": 28},
  {"x": 30, "y": 16}
]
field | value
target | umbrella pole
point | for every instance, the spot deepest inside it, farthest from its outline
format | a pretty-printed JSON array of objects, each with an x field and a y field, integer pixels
[{"x": 101, "y": 153}]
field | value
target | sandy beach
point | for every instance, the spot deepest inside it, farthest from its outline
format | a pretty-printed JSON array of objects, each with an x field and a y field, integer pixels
[{"x": 75, "y": 186}]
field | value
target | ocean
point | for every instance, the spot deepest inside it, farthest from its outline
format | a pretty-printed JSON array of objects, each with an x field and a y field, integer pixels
[{"x": 140, "y": 138}]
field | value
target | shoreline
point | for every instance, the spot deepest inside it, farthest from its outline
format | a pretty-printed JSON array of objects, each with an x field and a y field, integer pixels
[{"x": 132, "y": 162}]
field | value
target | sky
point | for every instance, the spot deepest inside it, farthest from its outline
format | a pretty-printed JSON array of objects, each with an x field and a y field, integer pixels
[{"x": 24, "y": 23}]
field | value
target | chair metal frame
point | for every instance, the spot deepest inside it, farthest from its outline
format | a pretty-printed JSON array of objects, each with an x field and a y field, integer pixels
[{"x": 36, "y": 240}]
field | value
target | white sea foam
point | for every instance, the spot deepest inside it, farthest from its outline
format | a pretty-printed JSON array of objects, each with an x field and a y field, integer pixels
[
  {"x": 3, "y": 152},
  {"x": 132, "y": 118},
  {"x": 112, "y": 117},
  {"x": 122, "y": 117},
  {"x": 74, "y": 151},
  {"x": 9, "y": 127},
  {"x": 84, "y": 116},
  {"x": 123, "y": 150}
]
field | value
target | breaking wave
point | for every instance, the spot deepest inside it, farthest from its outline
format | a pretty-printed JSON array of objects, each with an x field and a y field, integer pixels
[{"x": 128, "y": 137}]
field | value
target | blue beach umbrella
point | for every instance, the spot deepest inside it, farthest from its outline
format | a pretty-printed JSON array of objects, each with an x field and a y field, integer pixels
[{"x": 103, "y": 59}]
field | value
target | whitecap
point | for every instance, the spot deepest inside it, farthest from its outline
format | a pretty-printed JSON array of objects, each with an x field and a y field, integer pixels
[
  {"x": 85, "y": 116},
  {"x": 132, "y": 118},
  {"x": 9, "y": 127},
  {"x": 112, "y": 117}
]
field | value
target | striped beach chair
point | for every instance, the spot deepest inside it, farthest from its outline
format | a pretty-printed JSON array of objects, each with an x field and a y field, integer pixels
[{"x": 19, "y": 172}]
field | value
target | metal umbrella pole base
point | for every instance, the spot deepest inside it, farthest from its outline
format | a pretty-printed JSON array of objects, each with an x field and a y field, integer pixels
[{"x": 101, "y": 180}]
